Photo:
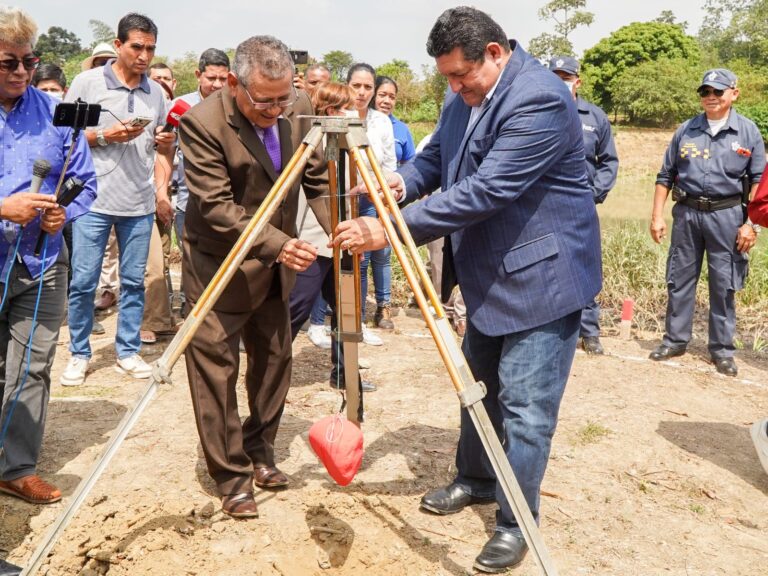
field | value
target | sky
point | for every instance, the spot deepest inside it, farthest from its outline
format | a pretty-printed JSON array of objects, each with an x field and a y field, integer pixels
[{"x": 373, "y": 32}]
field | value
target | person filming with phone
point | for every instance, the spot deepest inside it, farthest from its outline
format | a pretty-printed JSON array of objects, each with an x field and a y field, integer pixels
[
  {"x": 123, "y": 151},
  {"x": 33, "y": 286}
]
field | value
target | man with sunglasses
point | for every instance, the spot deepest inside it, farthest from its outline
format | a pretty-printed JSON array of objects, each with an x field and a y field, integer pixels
[
  {"x": 235, "y": 143},
  {"x": 33, "y": 287},
  {"x": 711, "y": 157}
]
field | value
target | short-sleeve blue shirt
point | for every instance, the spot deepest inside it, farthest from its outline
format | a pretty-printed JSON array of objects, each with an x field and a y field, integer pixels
[{"x": 713, "y": 166}]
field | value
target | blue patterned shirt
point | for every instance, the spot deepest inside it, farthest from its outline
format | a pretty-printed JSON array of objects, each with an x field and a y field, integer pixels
[{"x": 28, "y": 134}]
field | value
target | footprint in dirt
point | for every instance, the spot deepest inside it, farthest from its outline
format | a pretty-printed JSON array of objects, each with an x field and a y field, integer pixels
[{"x": 333, "y": 537}]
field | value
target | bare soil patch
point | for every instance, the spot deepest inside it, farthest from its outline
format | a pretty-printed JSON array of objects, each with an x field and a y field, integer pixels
[{"x": 652, "y": 472}]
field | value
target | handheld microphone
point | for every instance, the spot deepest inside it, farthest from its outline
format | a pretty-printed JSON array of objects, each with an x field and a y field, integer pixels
[
  {"x": 175, "y": 114},
  {"x": 40, "y": 170},
  {"x": 69, "y": 191}
]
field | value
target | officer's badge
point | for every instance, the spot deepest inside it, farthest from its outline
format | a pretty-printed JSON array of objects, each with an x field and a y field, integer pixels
[
  {"x": 559, "y": 63},
  {"x": 712, "y": 76}
]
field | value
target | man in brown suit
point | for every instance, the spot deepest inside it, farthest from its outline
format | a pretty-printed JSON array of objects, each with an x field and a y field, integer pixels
[{"x": 235, "y": 144}]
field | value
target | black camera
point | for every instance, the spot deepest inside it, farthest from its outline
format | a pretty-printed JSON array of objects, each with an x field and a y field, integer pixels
[
  {"x": 299, "y": 57},
  {"x": 78, "y": 115}
]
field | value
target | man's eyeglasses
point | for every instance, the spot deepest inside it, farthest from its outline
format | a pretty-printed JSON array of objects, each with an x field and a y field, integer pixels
[
  {"x": 704, "y": 92},
  {"x": 11, "y": 64},
  {"x": 285, "y": 103}
]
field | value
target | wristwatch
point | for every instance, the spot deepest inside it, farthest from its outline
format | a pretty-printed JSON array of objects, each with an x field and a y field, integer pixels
[
  {"x": 100, "y": 140},
  {"x": 755, "y": 227}
]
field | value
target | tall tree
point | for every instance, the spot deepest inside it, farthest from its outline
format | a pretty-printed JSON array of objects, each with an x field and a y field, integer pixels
[
  {"x": 567, "y": 16},
  {"x": 736, "y": 29},
  {"x": 668, "y": 17},
  {"x": 58, "y": 45},
  {"x": 629, "y": 46},
  {"x": 338, "y": 62},
  {"x": 102, "y": 32}
]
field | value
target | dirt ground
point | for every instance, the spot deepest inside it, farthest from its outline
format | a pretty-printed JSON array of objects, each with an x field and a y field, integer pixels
[{"x": 652, "y": 472}]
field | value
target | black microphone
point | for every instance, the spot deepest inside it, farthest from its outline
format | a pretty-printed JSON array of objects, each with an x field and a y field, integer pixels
[
  {"x": 40, "y": 171},
  {"x": 69, "y": 191}
]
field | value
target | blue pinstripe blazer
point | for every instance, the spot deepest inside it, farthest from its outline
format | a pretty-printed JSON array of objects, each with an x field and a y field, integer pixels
[{"x": 516, "y": 207}]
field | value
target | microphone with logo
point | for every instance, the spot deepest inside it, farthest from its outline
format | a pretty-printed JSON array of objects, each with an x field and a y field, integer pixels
[{"x": 174, "y": 116}]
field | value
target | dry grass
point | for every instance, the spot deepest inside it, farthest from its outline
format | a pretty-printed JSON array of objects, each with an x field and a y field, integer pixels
[{"x": 634, "y": 266}]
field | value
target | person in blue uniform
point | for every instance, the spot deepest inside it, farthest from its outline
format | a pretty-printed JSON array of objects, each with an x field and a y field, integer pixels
[
  {"x": 602, "y": 168},
  {"x": 709, "y": 159}
]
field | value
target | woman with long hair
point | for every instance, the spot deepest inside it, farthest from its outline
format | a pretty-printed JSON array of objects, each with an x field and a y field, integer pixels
[{"x": 362, "y": 79}]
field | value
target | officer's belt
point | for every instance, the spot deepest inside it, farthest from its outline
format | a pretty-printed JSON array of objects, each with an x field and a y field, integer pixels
[{"x": 706, "y": 204}]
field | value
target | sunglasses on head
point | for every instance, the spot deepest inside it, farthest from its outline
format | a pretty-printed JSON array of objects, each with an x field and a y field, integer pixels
[
  {"x": 12, "y": 64},
  {"x": 704, "y": 92}
]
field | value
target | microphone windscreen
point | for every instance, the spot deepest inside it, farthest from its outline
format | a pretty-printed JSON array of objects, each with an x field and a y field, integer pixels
[
  {"x": 41, "y": 168},
  {"x": 176, "y": 112}
]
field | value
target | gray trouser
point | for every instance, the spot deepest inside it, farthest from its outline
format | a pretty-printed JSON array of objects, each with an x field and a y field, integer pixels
[
  {"x": 25, "y": 430},
  {"x": 695, "y": 233}
]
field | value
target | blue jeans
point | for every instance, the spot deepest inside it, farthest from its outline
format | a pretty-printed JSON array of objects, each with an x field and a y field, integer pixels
[
  {"x": 525, "y": 374},
  {"x": 317, "y": 316},
  {"x": 380, "y": 261},
  {"x": 89, "y": 239}
]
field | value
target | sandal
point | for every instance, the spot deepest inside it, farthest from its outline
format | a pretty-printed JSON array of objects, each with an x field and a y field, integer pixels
[
  {"x": 34, "y": 490},
  {"x": 147, "y": 337},
  {"x": 239, "y": 505}
]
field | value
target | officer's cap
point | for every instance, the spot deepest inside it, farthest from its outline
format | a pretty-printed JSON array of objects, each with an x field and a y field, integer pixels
[
  {"x": 719, "y": 78},
  {"x": 566, "y": 64}
]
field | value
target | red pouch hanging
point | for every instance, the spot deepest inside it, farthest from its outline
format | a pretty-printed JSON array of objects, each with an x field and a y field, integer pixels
[{"x": 339, "y": 445}]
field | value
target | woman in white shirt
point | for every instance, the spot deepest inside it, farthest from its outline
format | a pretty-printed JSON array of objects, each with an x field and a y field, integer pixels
[{"x": 362, "y": 78}]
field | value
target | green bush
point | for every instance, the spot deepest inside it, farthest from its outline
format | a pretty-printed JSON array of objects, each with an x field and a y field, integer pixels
[{"x": 758, "y": 113}]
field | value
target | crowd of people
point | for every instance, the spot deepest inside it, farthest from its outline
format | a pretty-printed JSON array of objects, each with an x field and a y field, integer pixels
[{"x": 519, "y": 160}]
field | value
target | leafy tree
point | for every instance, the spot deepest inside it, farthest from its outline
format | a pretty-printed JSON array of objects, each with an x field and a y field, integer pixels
[
  {"x": 409, "y": 90},
  {"x": 658, "y": 92},
  {"x": 435, "y": 85},
  {"x": 184, "y": 73},
  {"x": 668, "y": 17},
  {"x": 338, "y": 62},
  {"x": 735, "y": 29},
  {"x": 102, "y": 32},
  {"x": 58, "y": 45},
  {"x": 567, "y": 15},
  {"x": 629, "y": 46}
]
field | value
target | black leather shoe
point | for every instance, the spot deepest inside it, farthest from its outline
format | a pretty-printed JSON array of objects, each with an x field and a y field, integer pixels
[
  {"x": 591, "y": 345},
  {"x": 501, "y": 552},
  {"x": 726, "y": 366},
  {"x": 450, "y": 499},
  {"x": 665, "y": 352}
]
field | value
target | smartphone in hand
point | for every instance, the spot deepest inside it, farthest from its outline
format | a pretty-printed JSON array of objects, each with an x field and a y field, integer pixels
[{"x": 140, "y": 121}]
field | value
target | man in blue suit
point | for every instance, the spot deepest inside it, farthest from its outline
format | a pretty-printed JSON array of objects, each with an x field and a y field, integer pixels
[{"x": 522, "y": 238}]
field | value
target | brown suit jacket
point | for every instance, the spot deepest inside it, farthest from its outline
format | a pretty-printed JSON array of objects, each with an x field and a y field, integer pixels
[{"x": 229, "y": 174}]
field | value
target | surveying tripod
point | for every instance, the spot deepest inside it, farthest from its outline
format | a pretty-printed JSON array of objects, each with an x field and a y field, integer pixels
[{"x": 345, "y": 137}]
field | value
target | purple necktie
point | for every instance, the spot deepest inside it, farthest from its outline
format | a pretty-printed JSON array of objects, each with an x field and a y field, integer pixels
[{"x": 272, "y": 144}]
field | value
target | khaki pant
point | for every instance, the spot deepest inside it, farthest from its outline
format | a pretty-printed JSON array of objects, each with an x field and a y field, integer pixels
[{"x": 157, "y": 305}]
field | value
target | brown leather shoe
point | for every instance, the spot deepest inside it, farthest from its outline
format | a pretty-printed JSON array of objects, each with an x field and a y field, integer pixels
[
  {"x": 239, "y": 505},
  {"x": 106, "y": 300},
  {"x": 33, "y": 489},
  {"x": 269, "y": 477}
]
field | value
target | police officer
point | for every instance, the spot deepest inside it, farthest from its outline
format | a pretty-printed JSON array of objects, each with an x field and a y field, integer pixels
[
  {"x": 708, "y": 160},
  {"x": 602, "y": 167}
]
